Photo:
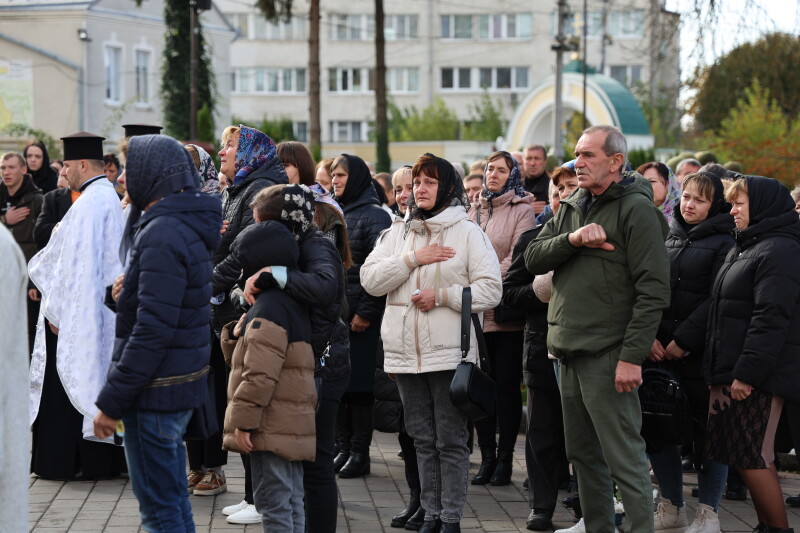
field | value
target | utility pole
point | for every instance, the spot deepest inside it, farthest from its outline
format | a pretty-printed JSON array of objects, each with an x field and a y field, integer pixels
[
  {"x": 585, "y": 58},
  {"x": 559, "y": 47},
  {"x": 193, "y": 67},
  {"x": 605, "y": 38}
]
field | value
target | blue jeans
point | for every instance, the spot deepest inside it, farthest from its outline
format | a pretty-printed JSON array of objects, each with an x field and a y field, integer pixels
[
  {"x": 711, "y": 479},
  {"x": 157, "y": 466}
]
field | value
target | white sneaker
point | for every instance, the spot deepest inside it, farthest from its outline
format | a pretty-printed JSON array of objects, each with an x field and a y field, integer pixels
[
  {"x": 580, "y": 527},
  {"x": 706, "y": 520},
  {"x": 248, "y": 515},
  {"x": 670, "y": 519},
  {"x": 235, "y": 508}
]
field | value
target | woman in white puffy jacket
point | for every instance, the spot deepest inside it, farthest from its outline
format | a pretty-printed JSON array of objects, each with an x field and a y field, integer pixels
[{"x": 422, "y": 264}]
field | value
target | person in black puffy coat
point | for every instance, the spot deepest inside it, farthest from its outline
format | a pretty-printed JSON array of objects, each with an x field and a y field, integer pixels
[
  {"x": 700, "y": 237},
  {"x": 365, "y": 219},
  {"x": 159, "y": 368},
  {"x": 753, "y": 346}
]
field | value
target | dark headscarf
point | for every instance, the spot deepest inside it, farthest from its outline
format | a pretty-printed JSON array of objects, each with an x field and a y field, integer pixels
[
  {"x": 254, "y": 151},
  {"x": 298, "y": 209},
  {"x": 157, "y": 166},
  {"x": 358, "y": 179},
  {"x": 450, "y": 193},
  {"x": 768, "y": 199},
  {"x": 45, "y": 178},
  {"x": 514, "y": 180}
]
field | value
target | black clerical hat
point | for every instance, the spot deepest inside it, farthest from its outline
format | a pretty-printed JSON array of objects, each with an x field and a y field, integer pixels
[
  {"x": 132, "y": 130},
  {"x": 83, "y": 145}
]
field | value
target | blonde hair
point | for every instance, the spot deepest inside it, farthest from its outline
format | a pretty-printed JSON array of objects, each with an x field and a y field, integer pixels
[
  {"x": 398, "y": 175},
  {"x": 229, "y": 132},
  {"x": 736, "y": 188}
]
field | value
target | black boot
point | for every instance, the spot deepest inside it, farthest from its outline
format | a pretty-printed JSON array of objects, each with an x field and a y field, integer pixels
[
  {"x": 401, "y": 519},
  {"x": 488, "y": 464},
  {"x": 356, "y": 466},
  {"x": 502, "y": 474},
  {"x": 416, "y": 521},
  {"x": 340, "y": 459},
  {"x": 431, "y": 526},
  {"x": 450, "y": 527}
]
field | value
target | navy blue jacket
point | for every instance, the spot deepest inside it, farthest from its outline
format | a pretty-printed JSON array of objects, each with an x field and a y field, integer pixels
[{"x": 162, "y": 347}]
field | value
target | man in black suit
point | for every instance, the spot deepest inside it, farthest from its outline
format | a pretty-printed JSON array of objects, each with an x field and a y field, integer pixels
[{"x": 55, "y": 206}]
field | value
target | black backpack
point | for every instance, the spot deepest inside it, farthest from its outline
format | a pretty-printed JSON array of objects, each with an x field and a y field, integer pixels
[{"x": 666, "y": 413}]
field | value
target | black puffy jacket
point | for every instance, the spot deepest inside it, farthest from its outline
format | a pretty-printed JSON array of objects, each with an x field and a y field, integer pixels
[
  {"x": 696, "y": 254},
  {"x": 163, "y": 312},
  {"x": 754, "y": 322},
  {"x": 518, "y": 292},
  {"x": 365, "y": 221},
  {"x": 236, "y": 210}
]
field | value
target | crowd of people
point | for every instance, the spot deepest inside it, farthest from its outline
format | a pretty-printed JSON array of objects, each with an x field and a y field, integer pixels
[{"x": 284, "y": 310}]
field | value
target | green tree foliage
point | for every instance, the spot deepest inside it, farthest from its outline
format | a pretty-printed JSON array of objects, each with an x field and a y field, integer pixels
[
  {"x": 772, "y": 60},
  {"x": 275, "y": 10},
  {"x": 760, "y": 135},
  {"x": 639, "y": 156},
  {"x": 435, "y": 122},
  {"x": 574, "y": 129},
  {"x": 664, "y": 117},
  {"x": 280, "y": 129},
  {"x": 487, "y": 122},
  {"x": 205, "y": 124},
  {"x": 175, "y": 70},
  {"x": 22, "y": 130}
]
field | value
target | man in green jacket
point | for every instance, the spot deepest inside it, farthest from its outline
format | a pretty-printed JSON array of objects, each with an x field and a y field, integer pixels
[{"x": 610, "y": 285}]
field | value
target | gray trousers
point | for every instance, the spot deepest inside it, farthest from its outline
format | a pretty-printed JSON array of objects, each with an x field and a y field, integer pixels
[
  {"x": 440, "y": 435},
  {"x": 278, "y": 492}
]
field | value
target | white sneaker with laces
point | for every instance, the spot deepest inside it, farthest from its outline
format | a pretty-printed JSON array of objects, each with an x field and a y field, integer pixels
[
  {"x": 580, "y": 527},
  {"x": 705, "y": 521},
  {"x": 248, "y": 515},
  {"x": 669, "y": 518},
  {"x": 235, "y": 508}
]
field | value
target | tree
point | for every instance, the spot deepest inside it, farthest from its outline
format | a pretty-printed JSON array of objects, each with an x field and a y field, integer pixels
[
  {"x": 382, "y": 163},
  {"x": 662, "y": 114},
  {"x": 435, "y": 122},
  {"x": 759, "y": 134},
  {"x": 487, "y": 122},
  {"x": 175, "y": 77},
  {"x": 772, "y": 61}
]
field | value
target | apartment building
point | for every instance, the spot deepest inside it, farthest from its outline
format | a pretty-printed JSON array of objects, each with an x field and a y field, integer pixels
[{"x": 449, "y": 49}]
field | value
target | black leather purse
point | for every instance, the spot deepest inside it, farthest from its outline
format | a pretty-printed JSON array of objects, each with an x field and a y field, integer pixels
[
  {"x": 472, "y": 390},
  {"x": 203, "y": 422}
]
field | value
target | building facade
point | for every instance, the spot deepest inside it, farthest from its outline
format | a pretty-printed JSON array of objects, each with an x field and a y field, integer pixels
[
  {"x": 453, "y": 50},
  {"x": 92, "y": 65}
]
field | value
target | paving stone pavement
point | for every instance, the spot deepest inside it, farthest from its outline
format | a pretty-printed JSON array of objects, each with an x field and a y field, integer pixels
[{"x": 366, "y": 505}]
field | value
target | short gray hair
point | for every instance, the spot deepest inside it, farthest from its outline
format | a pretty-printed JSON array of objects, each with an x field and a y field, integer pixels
[
  {"x": 615, "y": 142},
  {"x": 687, "y": 161}
]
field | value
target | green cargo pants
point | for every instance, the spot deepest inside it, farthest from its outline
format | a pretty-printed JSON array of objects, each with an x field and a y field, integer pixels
[{"x": 602, "y": 429}]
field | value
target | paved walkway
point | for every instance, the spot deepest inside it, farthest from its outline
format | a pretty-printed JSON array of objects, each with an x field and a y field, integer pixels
[{"x": 366, "y": 504}]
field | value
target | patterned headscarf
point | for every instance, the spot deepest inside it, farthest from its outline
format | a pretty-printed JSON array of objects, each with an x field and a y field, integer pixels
[
  {"x": 254, "y": 151},
  {"x": 322, "y": 196},
  {"x": 673, "y": 200},
  {"x": 514, "y": 181},
  {"x": 298, "y": 209},
  {"x": 209, "y": 180}
]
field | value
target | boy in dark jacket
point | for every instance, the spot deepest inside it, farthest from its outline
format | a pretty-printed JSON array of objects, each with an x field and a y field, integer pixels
[
  {"x": 160, "y": 362},
  {"x": 271, "y": 391}
]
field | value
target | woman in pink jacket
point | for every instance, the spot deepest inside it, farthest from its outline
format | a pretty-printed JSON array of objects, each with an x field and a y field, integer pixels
[{"x": 503, "y": 211}]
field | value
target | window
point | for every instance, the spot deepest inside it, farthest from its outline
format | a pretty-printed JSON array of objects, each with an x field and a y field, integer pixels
[
  {"x": 301, "y": 131},
  {"x": 111, "y": 58},
  {"x": 350, "y": 80},
  {"x": 626, "y": 23},
  {"x": 456, "y": 78},
  {"x": 269, "y": 80},
  {"x": 574, "y": 27},
  {"x": 626, "y": 74},
  {"x": 348, "y": 131},
  {"x": 142, "y": 77},
  {"x": 456, "y": 26},
  {"x": 351, "y": 28},
  {"x": 401, "y": 27},
  {"x": 402, "y": 80},
  {"x": 239, "y": 21},
  {"x": 492, "y": 78},
  {"x": 294, "y": 30},
  {"x": 487, "y": 27}
]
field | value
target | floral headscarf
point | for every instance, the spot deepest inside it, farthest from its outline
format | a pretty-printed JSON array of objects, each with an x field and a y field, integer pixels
[
  {"x": 673, "y": 200},
  {"x": 298, "y": 209},
  {"x": 514, "y": 181},
  {"x": 322, "y": 196},
  {"x": 209, "y": 181},
  {"x": 254, "y": 151}
]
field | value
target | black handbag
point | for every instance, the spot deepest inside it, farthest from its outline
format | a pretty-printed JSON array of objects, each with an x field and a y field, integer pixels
[
  {"x": 203, "y": 422},
  {"x": 666, "y": 413},
  {"x": 472, "y": 390}
]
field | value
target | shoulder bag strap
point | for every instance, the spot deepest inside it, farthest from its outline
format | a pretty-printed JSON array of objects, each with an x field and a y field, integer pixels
[{"x": 466, "y": 307}]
